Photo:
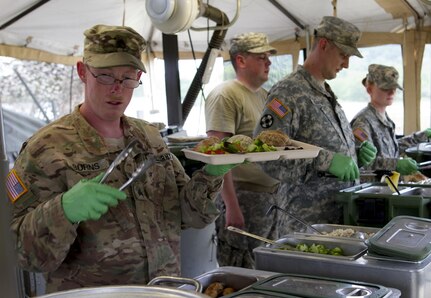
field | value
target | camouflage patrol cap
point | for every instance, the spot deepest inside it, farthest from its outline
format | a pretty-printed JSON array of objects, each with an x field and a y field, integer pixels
[
  {"x": 385, "y": 77},
  {"x": 109, "y": 46},
  {"x": 251, "y": 42},
  {"x": 345, "y": 35}
]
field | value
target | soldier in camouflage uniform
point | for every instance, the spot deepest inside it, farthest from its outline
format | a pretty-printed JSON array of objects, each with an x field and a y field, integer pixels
[
  {"x": 84, "y": 233},
  {"x": 304, "y": 107},
  {"x": 234, "y": 108},
  {"x": 373, "y": 124}
]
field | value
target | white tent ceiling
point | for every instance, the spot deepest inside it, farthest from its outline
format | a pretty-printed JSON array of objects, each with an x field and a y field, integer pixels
[{"x": 56, "y": 26}]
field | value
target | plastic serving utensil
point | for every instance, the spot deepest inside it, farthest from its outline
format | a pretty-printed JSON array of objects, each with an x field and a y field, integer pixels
[{"x": 392, "y": 181}]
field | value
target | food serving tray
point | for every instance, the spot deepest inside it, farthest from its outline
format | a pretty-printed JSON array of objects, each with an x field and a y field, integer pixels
[
  {"x": 295, "y": 151},
  {"x": 326, "y": 229},
  {"x": 351, "y": 249}
]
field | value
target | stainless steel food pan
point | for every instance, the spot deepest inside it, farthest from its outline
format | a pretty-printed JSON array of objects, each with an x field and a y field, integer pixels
[
  {"x": 236, "y": 281},
  {"x": 351, "y": 249},
  {"x": 125, "y": 292},
  {"x": 418, "y": 191},
  {"x": 328, "y": 228},
  {"x": 380, "y": 189}
]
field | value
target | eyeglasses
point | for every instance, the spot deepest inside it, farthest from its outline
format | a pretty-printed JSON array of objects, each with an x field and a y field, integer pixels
[{"x": 105, "y": 79}]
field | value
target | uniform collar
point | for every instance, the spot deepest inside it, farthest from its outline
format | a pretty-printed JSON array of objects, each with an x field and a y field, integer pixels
[
  {"x": 93, "y": 142},
  {"x": 325, "y": 89}
]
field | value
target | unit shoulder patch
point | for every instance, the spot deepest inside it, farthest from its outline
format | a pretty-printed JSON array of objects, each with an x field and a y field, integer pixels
[{"x": 266, "y": 121}]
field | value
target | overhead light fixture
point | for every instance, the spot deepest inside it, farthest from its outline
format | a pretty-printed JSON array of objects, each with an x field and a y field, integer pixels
[{"x": 172, "y": 16}]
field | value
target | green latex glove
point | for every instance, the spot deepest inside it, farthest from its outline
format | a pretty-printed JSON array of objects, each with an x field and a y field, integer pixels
[
  {"x": 407, "y": 166},
  {"x": 218, "y": 170},
  {"x": 367, "y": 153},
  {"x": 344, "y": 167},
  {"x": 428, "y": 132},
  {"x": 89, "y": 200}
]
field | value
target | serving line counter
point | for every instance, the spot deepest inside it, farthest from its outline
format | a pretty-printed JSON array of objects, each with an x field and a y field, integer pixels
[
  {"x": 245, "y": 283},
  {"x": 397, "y": 256},
  {"x": 270, "y": 284}
]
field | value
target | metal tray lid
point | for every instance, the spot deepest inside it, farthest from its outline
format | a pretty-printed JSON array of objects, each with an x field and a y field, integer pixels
[
  {"x": 259, "y": 294},
  {"x": 317, "y": 287},
  {"x": 404, "y": 237}
]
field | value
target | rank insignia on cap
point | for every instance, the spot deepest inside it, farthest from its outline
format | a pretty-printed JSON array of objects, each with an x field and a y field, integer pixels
[
  {"x": 15, "y": 187},
  {"x": 278, "y": 108},
  {"x": 360, "y": 134}
]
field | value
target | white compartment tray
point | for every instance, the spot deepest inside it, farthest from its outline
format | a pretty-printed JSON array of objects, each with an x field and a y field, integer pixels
[{"x": 296, "y": 151}]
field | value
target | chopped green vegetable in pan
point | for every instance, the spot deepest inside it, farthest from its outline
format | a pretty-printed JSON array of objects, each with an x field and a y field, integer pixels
[{"x": 319, "y": 249}]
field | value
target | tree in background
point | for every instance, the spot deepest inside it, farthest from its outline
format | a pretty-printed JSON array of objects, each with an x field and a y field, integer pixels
[{"x": 42, "y": 90}]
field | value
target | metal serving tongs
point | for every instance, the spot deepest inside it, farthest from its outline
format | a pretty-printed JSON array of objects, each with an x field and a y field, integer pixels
[
  {"x": 121, "y": 157},
  {"x": 424, "y": 165}
]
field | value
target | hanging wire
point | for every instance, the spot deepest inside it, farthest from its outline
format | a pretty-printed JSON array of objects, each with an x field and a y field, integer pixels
[
  {"x": 208, "y": 26},
  {"x": 202, "y": 89},
  {"x": 124, "y": 13},
  {"x": 72, "y": 71},
  {"x": 334, "y": 6}
]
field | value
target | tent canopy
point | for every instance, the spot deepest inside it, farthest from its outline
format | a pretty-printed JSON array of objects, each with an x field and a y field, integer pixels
[{"x": 52, "y": 30}]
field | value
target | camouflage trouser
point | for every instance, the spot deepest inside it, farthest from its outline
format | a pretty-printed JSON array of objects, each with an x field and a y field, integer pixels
[{"x": 237, "y": 250}]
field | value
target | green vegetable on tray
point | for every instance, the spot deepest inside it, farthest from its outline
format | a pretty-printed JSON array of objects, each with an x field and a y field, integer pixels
[
  {"x": 319, "y": 249},
  {"x": 259, "y": 146}
]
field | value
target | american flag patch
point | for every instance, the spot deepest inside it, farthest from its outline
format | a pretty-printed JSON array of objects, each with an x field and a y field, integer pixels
[
  {"x": 360, "y": 134},
  {"x": 278, "y": 108},
  {"x": 15, "y": 187}
]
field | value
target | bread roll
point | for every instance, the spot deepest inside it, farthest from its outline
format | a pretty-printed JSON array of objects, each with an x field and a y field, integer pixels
[
  {"x": 274, "y": 138},
  {"x": 205, "y": 143}
]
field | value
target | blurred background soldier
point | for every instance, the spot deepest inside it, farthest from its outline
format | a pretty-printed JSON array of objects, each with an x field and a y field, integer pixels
[
  {"x": 374, "y": 125},
  {"x": 234, "y": 108}
]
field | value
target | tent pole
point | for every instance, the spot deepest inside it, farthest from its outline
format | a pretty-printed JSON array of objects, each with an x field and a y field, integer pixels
[{"x": 10, "y": 281}]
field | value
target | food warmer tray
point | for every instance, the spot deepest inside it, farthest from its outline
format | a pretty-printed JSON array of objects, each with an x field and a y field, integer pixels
[
  {"x": 351, "y": 249},
  {"x": 367, "y": 232},
  {"x": 249, "y": 283},
  {"x": 318, "y": 287}
]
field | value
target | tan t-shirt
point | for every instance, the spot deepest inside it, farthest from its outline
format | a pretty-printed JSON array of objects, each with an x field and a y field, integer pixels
[{"x": 233, "y": 108}]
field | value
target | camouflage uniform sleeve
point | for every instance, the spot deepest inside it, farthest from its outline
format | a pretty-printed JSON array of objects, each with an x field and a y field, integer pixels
[
  {"x": 291, "y": 105},
  {"x": 363, "y": 131},
  {"x": 411, "y": 140},
  {"x": 42, "y": 233},
  {"x": 197, "y": 197}
]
